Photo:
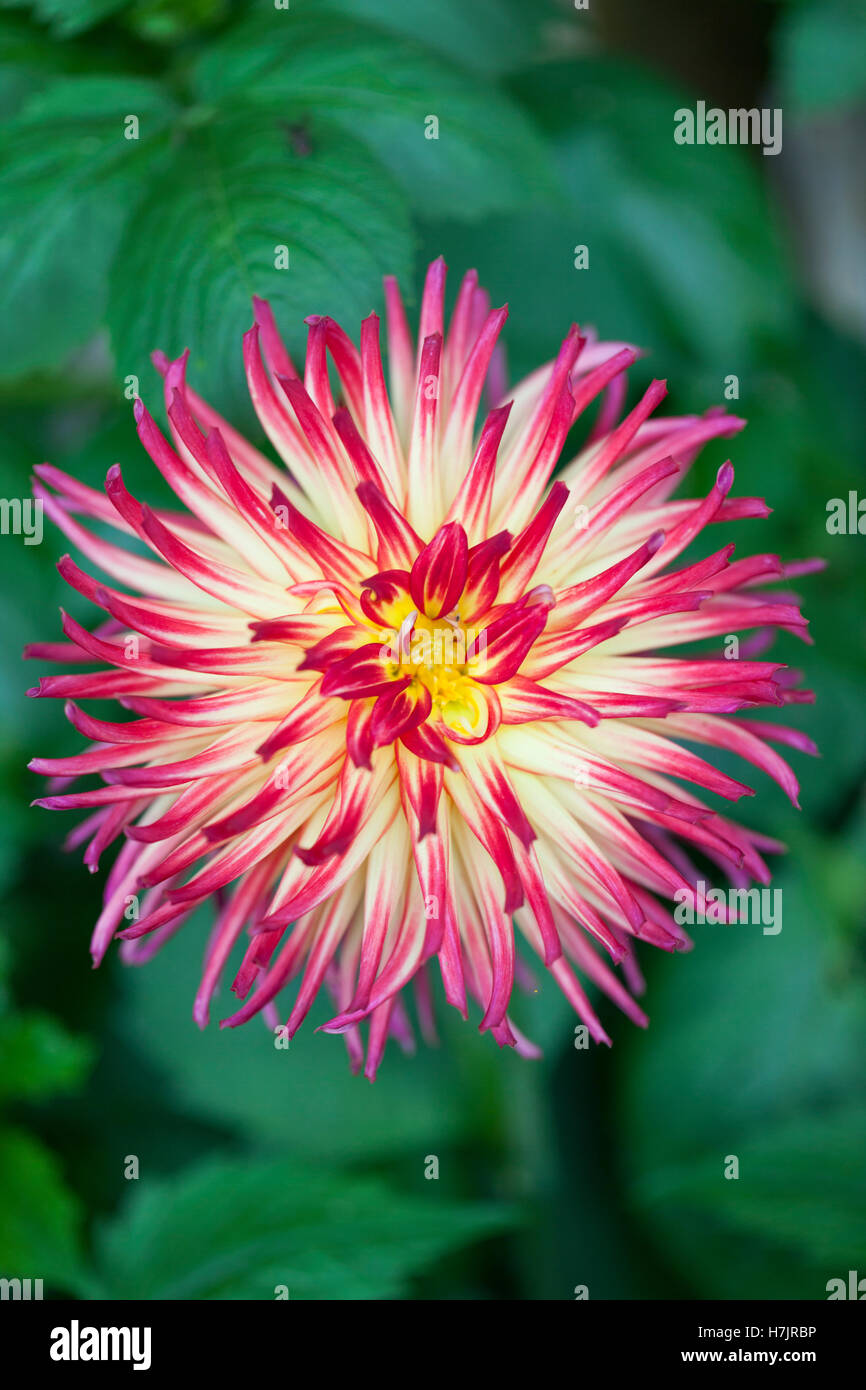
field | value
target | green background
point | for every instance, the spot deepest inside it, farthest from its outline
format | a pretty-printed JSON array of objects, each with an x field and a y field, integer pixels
[{"x": 258, "y": 127}]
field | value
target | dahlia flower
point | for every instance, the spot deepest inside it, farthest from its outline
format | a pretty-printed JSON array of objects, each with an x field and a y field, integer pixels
[{"x": 406, "y": 691}]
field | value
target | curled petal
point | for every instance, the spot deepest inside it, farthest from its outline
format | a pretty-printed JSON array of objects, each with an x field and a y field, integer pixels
[
  {"x": 402, "y": 708},
  {"x": 502, "y": 647},
  {"x": 361, "y": 673},
  {"x": 439, "y": 574}
]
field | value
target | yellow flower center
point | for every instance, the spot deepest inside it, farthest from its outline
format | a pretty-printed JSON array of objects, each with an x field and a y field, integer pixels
[{"x": 441, "y": 654}]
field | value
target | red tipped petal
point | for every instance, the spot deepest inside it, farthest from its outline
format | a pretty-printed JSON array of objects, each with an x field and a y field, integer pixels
[{"x": 439, "y": 574}]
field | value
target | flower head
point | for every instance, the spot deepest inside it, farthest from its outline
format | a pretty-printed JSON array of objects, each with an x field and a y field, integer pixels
[{"x": 405, "y": 692}]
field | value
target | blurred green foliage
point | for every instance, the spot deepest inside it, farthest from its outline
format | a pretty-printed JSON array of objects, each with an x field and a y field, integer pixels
[
  {"x": 244, "y": 1230},
  {"x": 260, "y": 127}
]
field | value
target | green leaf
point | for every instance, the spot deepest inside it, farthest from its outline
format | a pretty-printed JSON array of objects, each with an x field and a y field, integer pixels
[
  {"x": 778, "y": 1205},
  {"x": 490, "y": 35},
  {"x": 67, "y": 17},
  {"x": 39, "y": 1217},
  {"x": 241, "y": 1229},
  {"x": 237, "y": 191},
  {"x": 38, "y": 1057},
  {"x": 69, "y": 175},
  {"x": 384, "y": 90},
  {"x": 684, "y": 257},
  {"x": 28, "y": 60},
  {"x": 287, "y": 1098},
  {"x": 171, "y": 21},
  {"x": 757, "y": 1047},
  {"x": 821, "y": 56}
]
